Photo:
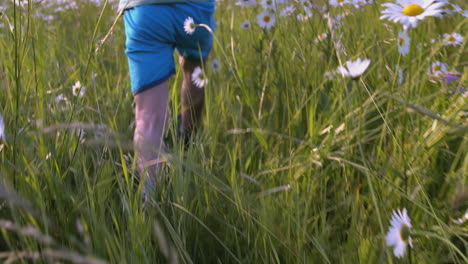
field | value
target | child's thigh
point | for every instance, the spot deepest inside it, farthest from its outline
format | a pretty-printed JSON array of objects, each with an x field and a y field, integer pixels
[{"x": 150, "y": 41}]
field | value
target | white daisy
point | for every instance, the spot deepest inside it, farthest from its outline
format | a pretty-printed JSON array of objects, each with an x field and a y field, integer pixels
[
  {"x": 245, "y": 24},
  {"x": 215, "y": 65},
  {"x": 330, "y": 75},
  {"x": 461, "y": 220},
  {"x": 199, "y": 78},
  {"x": 403, "y": 42},
  {"x": 60, "y": 98},
  {"x": 287, "y": 11},
  {"x": 266, "y": 19},
  {"x": 409, "y": 12},
  {"x": 398, "y": 236},
  {"x": 401, "y": 75},
  {"x": 302, "y": 17},
  {"x": 78, "y": 89},
  {"x": 322, "y": 36},
  {"x": 334, "y": 22},
  {"x": 453, "y": 39},
  {"x": 2, "y": 128},
  {"x": 438, "y": 68},
  {"x": 447, "y": 8},
  {"x": 189, "y": 25},
  {"x": 269, "y": 4},
  {"x": 305, "y": 15},
  {"x": 338, "y": 2},
  {"x": 2, "y": 9},
  {"x": 359, "y": 3},
  {"x": 460, "y": 11},
  {"x": 247, "y": 3},
  {"x": 354, "y": 69},
  {"x": 306, "y": 4}
]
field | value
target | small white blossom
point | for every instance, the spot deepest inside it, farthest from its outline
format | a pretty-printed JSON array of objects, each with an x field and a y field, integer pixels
[
  {"x": 199, "y": 78},
  {"x": 355, "y": 68},
  {"x": 398, "y": 234},
  {"x": 189, "y": 25},
  {"x": 78, "y": 89}
]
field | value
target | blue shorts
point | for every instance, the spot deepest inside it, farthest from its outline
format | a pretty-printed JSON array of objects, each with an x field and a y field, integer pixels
[{"x": 154, "y": 31}]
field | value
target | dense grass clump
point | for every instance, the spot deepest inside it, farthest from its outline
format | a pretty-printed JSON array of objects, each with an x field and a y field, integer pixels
[{"x": 294, "y": 164}]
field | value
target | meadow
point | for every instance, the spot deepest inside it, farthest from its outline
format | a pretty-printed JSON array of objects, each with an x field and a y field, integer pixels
[{"x": 298, "y": 160}]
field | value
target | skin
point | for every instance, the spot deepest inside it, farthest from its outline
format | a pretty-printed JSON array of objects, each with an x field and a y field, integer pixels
[{"x": 151, "y": 117}]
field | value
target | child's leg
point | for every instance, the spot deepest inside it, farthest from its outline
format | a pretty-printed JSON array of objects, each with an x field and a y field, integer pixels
[
  {"x": 150, "y": 120},
  {"x": 192, "y": 97}
]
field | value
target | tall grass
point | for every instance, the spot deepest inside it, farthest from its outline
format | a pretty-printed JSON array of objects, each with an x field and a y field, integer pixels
[{"x": 290, "y": 166}]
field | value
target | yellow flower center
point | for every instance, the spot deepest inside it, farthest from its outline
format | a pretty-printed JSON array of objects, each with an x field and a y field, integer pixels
[
  {"x": 450, "y": 38},
  {"x": 405, "y": 233},
  {"x": 412, "y": 10},
  {"x": 436, "y": 68},
  {"x": 462, "y": 11},
  {"x": 360, "y": 3},
  {"x": 266, "y": 19},
  {"x": 401, "y": 41},
  {"x": 340, "y": 1}
]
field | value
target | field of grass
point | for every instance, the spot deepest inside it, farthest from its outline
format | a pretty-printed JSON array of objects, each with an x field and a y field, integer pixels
[{"x": 294, "y": 164}]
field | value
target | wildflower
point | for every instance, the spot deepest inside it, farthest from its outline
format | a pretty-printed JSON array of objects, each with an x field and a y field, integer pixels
[
  {"x": 268, "y": 4},
  {"x": 330, "y": 75},
  {"x": 359, "y": 3},
  {"x": 401, "y": 75},
  {"x": 247, "y": 3},
  {"x": 215, "y": 65},
  {"x": 460, "y": 11},
  {"x": 198, "y": 77},
  {"x": 60, "y": 98},
  {"x": 245, "y": 24},
  {"x": 322, "y": 36},
  {"x": 453, "y": 39},
  {"x": 409, "y": 12},
  {"x": 338, "y": 2},
  {"x": 354, "y": 69},
  {"x": 189, "y": 25},
  {"x": 287, "y": 11},
  {"x": 451, "y": 77},
  {"x": 460, "y": 90},
  {"x": 447, "y": 8},
  {"x": 334, "y": 22},
  {"x": 403, "y": 42},
  {"x": 304, "y": 16},
  {"x": 438, "y": 68},
  {"x": 462, "y": 219},
  {"x": 307, "y": 4},
  {"x": 266, "y": 19},
  {"x": 2, "y": 128},
  {"x": 398, "y": 236},
  {"x": 2, "y": 9},
  {"x": 78, "y": 89}
]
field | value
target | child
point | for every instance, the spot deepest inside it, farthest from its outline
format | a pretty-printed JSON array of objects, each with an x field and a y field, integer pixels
[{"x": 154, "y": 29}]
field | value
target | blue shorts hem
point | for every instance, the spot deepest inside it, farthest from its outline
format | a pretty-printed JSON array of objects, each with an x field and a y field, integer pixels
[{"x": 155, "y": 83}]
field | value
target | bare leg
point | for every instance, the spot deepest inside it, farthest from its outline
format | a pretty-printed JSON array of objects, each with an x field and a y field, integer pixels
[
  {"x": 151, "y": 120},
  {"x": 192, "y": 97}
]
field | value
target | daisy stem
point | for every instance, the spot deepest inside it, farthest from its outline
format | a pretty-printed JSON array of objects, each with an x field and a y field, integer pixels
[{"x": 410, "y": 255}]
